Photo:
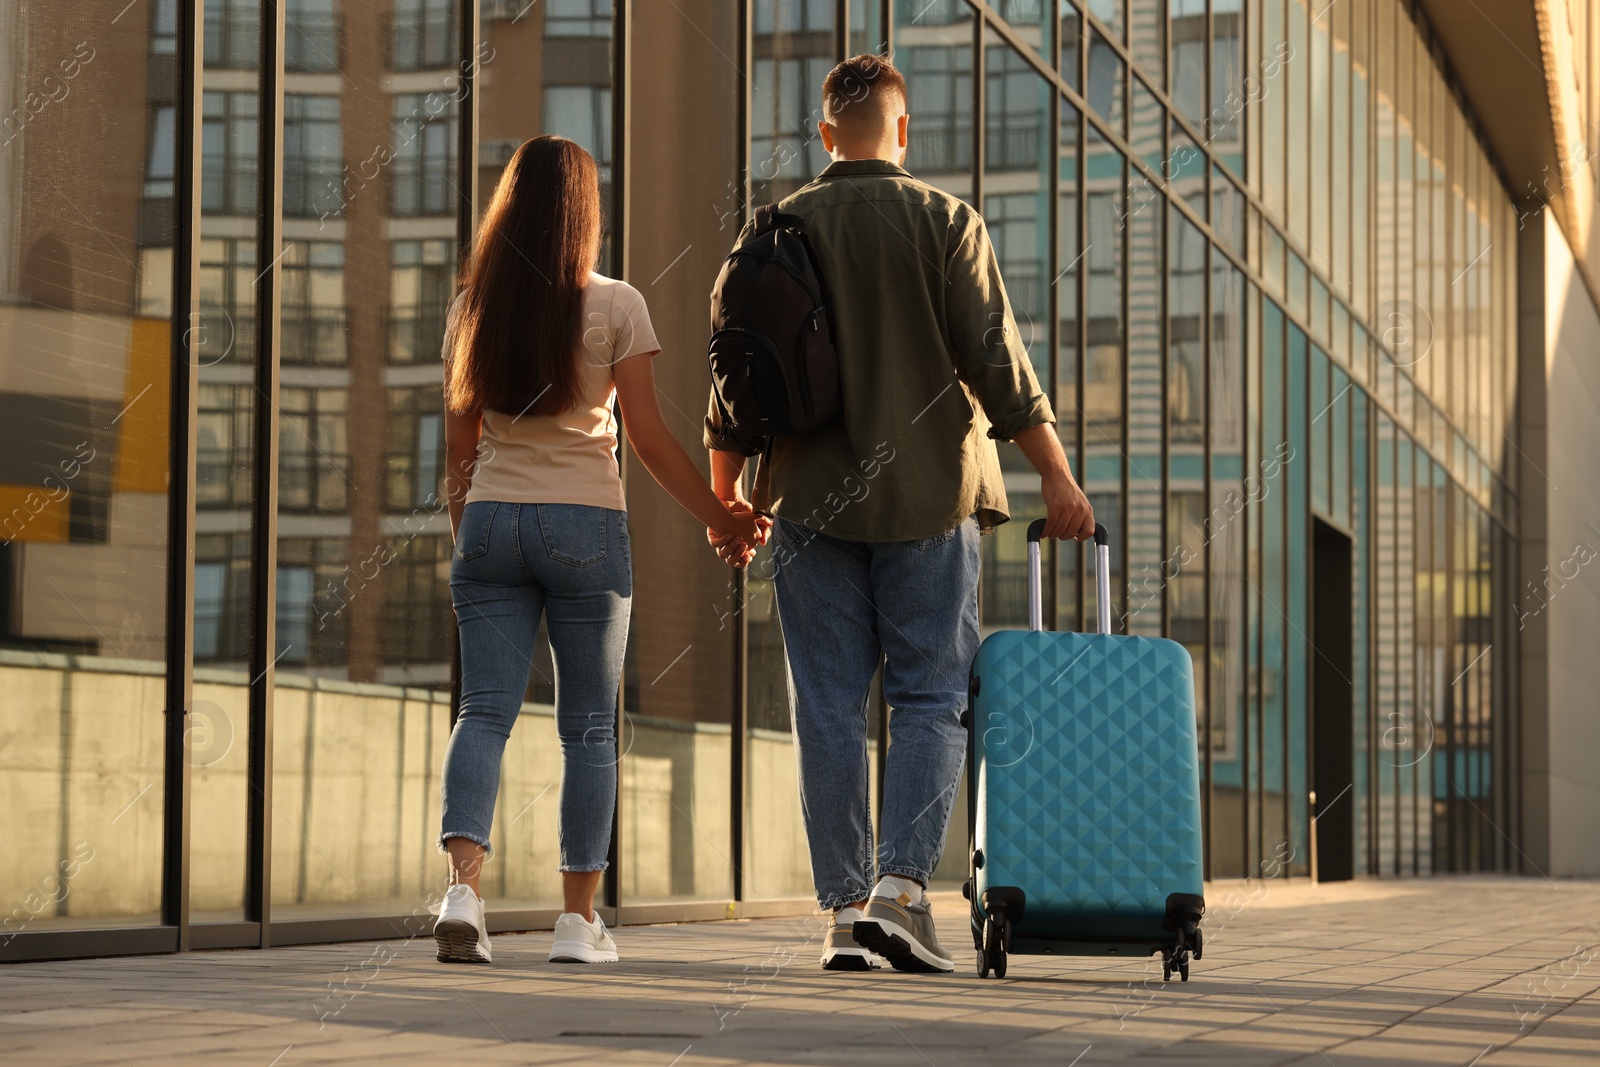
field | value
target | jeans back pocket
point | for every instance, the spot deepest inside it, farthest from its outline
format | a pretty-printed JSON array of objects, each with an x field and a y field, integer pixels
[
  {"x": 574, "y": 534},
  {"x": 472, "y": 538}
]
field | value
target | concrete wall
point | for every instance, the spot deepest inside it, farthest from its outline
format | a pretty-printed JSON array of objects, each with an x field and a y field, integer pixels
[
  {"x": 355, "y": 800},
  {"x": 1558, "y": 606}
]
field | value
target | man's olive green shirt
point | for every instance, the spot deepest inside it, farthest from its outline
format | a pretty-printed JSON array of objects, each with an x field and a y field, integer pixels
[{"x": 931, "y": 368}]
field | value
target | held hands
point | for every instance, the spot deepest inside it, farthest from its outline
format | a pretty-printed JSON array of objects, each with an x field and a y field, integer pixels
[
  {"x": 1067, "y": 509},
  {"x": 744, "y": 532}
]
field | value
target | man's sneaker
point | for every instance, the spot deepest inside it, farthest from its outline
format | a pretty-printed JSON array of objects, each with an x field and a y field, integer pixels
[
  {"x": 459, "y": 932},
  {"x": 901, "y": 931},
  {"x": 839, "y": 949},
  {"x": 582, "y": 942}
]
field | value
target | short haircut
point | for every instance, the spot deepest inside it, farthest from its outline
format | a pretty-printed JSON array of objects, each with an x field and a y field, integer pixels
[{"x": 862, "y": 88}]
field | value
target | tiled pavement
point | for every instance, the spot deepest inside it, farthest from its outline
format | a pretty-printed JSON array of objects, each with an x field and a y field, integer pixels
[{"x": 1451, "y": 971}]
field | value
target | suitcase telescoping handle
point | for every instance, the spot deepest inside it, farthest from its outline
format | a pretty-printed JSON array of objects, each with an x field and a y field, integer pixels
[{"x": 1102, "y": 578}]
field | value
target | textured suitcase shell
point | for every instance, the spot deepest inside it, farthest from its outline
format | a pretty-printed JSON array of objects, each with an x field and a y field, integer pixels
[{"x": 1087, "y": 793}]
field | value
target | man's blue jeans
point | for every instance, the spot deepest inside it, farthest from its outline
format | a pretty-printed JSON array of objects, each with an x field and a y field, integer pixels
[
  {"x": 842, "y": 604},
  {"x": 513, "y": 563}
]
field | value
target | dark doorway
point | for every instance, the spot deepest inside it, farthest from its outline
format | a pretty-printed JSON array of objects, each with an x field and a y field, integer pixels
[{"x": 1332, "y": 773}]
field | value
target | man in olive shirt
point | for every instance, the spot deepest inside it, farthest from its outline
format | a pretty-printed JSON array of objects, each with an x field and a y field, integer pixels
[{"x": 878, "y": 513}]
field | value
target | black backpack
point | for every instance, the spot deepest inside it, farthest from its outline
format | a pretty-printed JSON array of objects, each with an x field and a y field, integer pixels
[{"x": 773, "y": 365}]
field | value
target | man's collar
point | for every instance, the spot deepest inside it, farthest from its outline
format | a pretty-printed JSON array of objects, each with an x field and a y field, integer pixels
[{"x": 851, "y": 168}]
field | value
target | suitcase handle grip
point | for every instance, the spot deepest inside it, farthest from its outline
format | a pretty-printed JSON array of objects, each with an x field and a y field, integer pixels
[{"x": 1102, "y": 578}]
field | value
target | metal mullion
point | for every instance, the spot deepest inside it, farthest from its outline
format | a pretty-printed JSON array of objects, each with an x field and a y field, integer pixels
[
  {"x": 1207, "y": 326},
  {"x": 741, "y": 630},
  {"x": 182, "y": 416},
  {"x": 886, "y": 13},
  {"x": 467, "y": 115},
  {"x": 621, "y": 27},
  {"x": 1052, "y": 310},
  {"x": 1081, "y": 283},
  {"x": 264, "y": 520},
  {"x": 979, "y": 118},
  {"x": 841, "y": 30}
]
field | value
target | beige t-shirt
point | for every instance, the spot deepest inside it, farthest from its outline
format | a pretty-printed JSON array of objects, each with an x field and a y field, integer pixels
[{"x": 571, "y": 457}]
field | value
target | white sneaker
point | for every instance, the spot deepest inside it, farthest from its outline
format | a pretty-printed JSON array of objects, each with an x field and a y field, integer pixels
[
  {"x": 460, "y": 932},
  {"x": 582, "y": 942}
]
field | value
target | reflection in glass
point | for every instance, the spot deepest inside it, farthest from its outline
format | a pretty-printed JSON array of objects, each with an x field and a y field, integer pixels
[
  {"x": 939, "y": 81},
  {"x": 1103, "y": 260},
  {"x": 1224, "y": 544},
  {"x": 1188, "y": 59},
  {"x": 1146, "y": 366},
  {"x": 1069, "y": 264},
  {"x": 1106, "y": 77},
  {"x": 793, "y": 50},
  {"x": 85, "y": 387},
  {"x": 1225, "y": 126}
]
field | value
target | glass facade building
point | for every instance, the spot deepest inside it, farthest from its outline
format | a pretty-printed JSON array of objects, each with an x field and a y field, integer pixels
[{"x": 1260, "y": 251}]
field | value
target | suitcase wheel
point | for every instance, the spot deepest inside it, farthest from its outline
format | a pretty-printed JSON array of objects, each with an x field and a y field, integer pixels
[
  {"x": 1176, "y": 958},
  {"x": 992, "y": 953}
]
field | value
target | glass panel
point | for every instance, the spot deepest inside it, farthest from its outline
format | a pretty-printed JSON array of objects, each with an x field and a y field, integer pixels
[
  {"x": 1255, "y": 495},
  {"x": 1275, "y": 51},
  {"x": 1225, "y": 124},
  {"x": 1430, "y": 678},
  {"x": 1188, "y": 59},
  {"x": 1320, "y": 173},
  {"x": 1340, "y": 177},
  {"x": 1071, "y": 43},
  {"x": 866, "y": 27},
  {"x": 1030, "y": 20},
  {"x": 1147, "y": 45},
  {"x": 1106, "y": 78},
  {"x": 1103, "y": 258},
  {"x": 1109, "y": 12},
  {"x": 1270, "y": 606},
  {"x": 1227, "y": 211},
  {"x": 1339, "y": 429},
  {"x": 1186, "y": 170},
  {"x": 1183, "y": 571},
  {"x": 224, "y": 617},
  {"x": 1225, "y": 543},
  {"x": 936, "y": 58},
  {"x": 1390, "y": 716},
  {"x": 1407, "y": 696},
  {"x": 362, "y": 704},
  {"x": 1017, "y": 184},
  {"x": 793, "y": 49},
  {"x": 1069, "y": 259},
  {"x": 675, "y": 805},
  {"x": 85, "y": 385},
  {"x": 1144, "y": 523},
  {"x": 1360, "y": 174},
  {"x": 1297, "y": 600},
  {"x": 1366, "y": 731},
  {"x": 1321, "y": 427},
  {"x": 1297, "y": 150},
  {"x": 1147, "y": 122}
]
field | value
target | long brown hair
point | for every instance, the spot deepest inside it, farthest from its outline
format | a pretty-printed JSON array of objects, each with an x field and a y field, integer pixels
[{"x": 519, "y": 322}]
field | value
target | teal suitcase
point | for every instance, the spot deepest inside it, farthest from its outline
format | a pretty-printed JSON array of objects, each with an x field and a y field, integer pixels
[{"x": 1085, "y": 804}]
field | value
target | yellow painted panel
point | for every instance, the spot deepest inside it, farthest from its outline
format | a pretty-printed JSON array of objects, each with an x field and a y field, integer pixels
[
  {"x": 30, "y": 513},
  {"x": 142, "y": 427}
]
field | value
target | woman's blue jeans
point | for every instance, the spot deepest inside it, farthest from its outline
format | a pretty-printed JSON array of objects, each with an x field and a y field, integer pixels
[{"x": 512, "y": 564}]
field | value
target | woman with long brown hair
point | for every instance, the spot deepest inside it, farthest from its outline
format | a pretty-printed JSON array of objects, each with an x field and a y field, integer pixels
[{"x": 537, "y": 349}]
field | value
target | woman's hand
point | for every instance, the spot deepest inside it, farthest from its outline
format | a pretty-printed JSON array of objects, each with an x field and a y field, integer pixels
[{"x": 738, "y": 538}]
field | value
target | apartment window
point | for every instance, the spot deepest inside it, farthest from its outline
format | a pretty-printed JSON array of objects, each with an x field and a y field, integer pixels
[
  {"x": 233, "y": 40},
  {"x": 315, "y": 588},
  {"x": 1016, "y": 112},
  {"x": 159, "y": 168},
  {"x": 424, "y": 146},
  {"x": 164, "y": 27},
  {"x": 422, "y": 280},
  {"x": 311, "y": 38},
  {"x": 416, "y": 447},
  {"x": 794, "y": 16},
  {"x": 313, "y": 156},
  {"x": 784, "y": 146},
  {"x": 416, "y": 583},
  {"x": 423, "y": 34},
  {"x": 313, "y": 314},
  {"x": 582, "y": 113},
  {"x": 228, "y": 150},
  {"x": 223, "y": 448},
  {"x": 941, "y": 90},
  {"x": 313, "y": 452},
  {"x": 930, "y": 12},
  {"x": 577, "y": 18},
  {"x": 227, "y": 300}
]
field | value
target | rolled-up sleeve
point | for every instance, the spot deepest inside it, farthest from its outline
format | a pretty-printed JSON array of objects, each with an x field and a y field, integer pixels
[{"x": 989, "y": 354}]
